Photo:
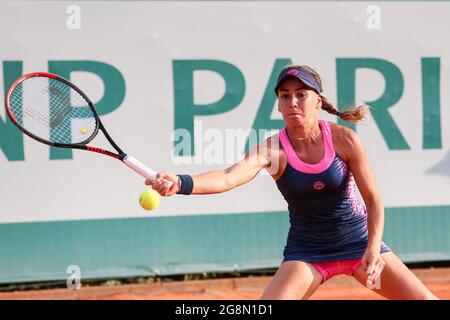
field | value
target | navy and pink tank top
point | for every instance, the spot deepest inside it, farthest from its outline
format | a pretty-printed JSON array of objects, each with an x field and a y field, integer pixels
[{"x": 328, "y": 222}]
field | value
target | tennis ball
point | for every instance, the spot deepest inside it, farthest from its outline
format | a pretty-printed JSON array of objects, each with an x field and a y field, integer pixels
[
  {"x": 84, "y": 130},
  {"x": 149, "y": 199}
]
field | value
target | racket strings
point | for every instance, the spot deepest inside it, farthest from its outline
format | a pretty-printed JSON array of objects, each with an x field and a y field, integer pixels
[{"x": 52, "y": 110}]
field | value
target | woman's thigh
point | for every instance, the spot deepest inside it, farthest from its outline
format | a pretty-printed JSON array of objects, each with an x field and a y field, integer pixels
[
  {"x": 397, "y": 282},
  {"x": 293, "y": 280}
]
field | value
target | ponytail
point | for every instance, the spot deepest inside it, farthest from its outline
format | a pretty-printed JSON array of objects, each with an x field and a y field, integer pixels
[{"x": 354, "y": 114}]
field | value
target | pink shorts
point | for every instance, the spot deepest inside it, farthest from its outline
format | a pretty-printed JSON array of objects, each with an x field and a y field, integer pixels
[{"x": 334, "y": 268}]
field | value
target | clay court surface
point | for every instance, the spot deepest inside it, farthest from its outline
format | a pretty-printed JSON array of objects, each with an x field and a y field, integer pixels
[{"x": 242, "y": 288}]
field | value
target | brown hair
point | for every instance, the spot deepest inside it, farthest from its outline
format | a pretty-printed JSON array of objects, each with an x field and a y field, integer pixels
[{"x": 350, "y": 114}]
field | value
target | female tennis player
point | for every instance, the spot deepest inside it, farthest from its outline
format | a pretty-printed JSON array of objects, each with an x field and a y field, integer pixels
[{"x": 315, "y": 165}]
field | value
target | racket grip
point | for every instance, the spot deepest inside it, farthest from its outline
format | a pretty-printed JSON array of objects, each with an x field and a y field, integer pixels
[{"x": 141, "y": 168}]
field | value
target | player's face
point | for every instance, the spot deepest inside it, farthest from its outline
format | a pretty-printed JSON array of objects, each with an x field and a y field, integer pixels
[{"x": 297, "y": 103}]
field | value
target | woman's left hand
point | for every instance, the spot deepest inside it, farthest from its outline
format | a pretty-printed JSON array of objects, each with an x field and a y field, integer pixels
[{"x": 373, "y": 264}]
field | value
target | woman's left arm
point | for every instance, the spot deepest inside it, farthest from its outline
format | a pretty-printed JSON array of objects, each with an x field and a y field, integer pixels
[{"x": 359, "y": 166}]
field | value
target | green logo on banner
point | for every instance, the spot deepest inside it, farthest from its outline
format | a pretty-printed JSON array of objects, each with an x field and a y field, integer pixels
[{"x": 186, "y": 110}]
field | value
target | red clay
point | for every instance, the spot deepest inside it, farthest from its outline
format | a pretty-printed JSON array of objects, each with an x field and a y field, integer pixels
[{"x": 338, "y": 288}]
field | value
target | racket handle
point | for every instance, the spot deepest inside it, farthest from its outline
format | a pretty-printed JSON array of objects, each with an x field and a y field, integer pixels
[{"x": 141, "y": 168}]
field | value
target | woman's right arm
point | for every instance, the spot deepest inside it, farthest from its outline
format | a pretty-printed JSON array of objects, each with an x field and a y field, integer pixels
[{"x": 218, "y": 181}]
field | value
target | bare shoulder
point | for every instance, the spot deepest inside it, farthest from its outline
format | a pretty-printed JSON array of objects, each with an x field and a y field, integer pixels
[
  {"x": 346, "y": 141},
  {"x": 342, "y": 133},
  {"x": 272, "y": 143},
  {"x": 267, "y": 148},
  {"x": 275, "y": 156},
  {"x": 263, "y": 151}
]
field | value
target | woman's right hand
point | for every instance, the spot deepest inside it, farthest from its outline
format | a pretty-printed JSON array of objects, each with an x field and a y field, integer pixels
[{"x": 161, "y": 186}]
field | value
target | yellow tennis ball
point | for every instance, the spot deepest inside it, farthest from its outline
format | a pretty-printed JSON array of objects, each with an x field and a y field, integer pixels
[
  {"x": 84, "y": 130},
  {"x": 149, "y": 199}
]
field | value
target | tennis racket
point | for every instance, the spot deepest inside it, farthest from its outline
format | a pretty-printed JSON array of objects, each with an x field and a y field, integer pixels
[{"x": 52, "y": 110}]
